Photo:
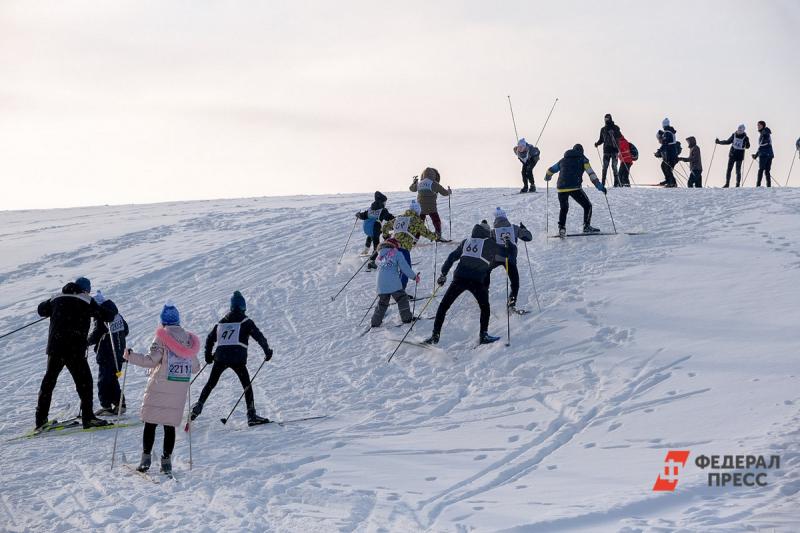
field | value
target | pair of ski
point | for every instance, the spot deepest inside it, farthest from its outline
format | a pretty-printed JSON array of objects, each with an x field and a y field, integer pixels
[
  {"x": 410, "y": 299},
  {"x": 274, "y": 422},
  {"x": 151, "y": 477},
  {"x": 400, "y": 325},
  {"x": 68, "y": 427},
  {"x": 598, "y": 233}
]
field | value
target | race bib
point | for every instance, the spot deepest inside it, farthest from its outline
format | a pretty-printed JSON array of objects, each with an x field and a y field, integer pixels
[
  {"x": 178, "y": 369},
  {"x": 228, "y": 334},
  {"x": 738, "y": 143},
  {"x": 374, "y": 214},
  {"x": 474, "y": 248},
  {"x": 116, "y": 325},
  {"x": 499, "y": 233},
  {"x": 402, "y": 225},
  {"x": 425, "y": 185}
]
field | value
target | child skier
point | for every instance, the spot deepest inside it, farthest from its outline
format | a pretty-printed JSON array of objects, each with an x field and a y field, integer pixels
[
  {"x": 695, "y": 164},
  {"x": 668, "y": 151},
  {"x": 503, "y": 229},
  {"x": 404, "y": 228},
  {"x": 392, "y": 265},
  {"x": 627, "y": 155},
  {"x": 108, "y": 340},
  {"x": 475, "y": 257},
  {"x": 172, "y": 358},
  {"x": 428, "y": 190},
  {"x": 373, "y": 218},
  {"x": 570, "y": 184},
  {"x": 70, "y": 316},
  {"x": 528, "y": 155},
  {"x": 231, "y": 337},
  {"x": 764, "y": 154},
  {"x": 739, "y": 142}
]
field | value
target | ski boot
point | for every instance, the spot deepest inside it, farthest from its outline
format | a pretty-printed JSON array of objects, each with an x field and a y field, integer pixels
[
  {"x": 433, "y": 339},
  {"x": 523, "y": 190},
  {"x": 372, "y": 265},
  {"x": 365, "y": 252},
  {"x": 562, "y": 232},
  {"x": 166, "y": 465},
  {"x": 95, "y": 423},
  {"x": 144, "y": 464},
  {"x": 512, "y": 303},
  {"x": 197, "y": 408},
  {"x": 588, "y": 228},
  {"x": 106, "y": 411},
  {"x": 485, "y": 338},
  {"x": 254, "y": 420},
  {"x": 533, "y": 188}
]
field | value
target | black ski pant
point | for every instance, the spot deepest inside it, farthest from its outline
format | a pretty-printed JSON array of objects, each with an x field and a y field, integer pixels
[
  {"x": 764, "y": 167},
  {"x": 579, "y": 196},
  {"x": 108, "y": 390},
  {"x": 244, "y": 378},
  {"x": 401, "y": 297},
  {"x": 478, "y": 289},
  {"x": 78, "y": 367},
  {"x": 527, "y": 174},
  {"x": 695, "y": 179},
  {"x": 149, "y": 437},
  {"x": 731, "y": 163},
  {"x": 610, "y": 158},
  {"x": 513, "y": 275},
  {"x": 624, "y": 176},
  {"x": 669, "y": 174}
]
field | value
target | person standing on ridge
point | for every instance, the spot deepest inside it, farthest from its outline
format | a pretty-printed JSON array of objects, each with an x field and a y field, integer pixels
[
  {"x": 695, "y": 164},
  {"x": 628, "y": 153},
  {"x": 570, "y": 171},
  {"x": 109, "y": 345},
  {"x": 373, "y": 218},
  {"x": 404, "y": 228},
  {"x": 739, "y": 142},
  {"x": 528, "y": 155},
  {"x": 764, "y": 154},
  {"x": 231, "y": 336},
  {"x": 70, "y": 316},
  {"x": 609, "y": 138},
  {"x": 475, "y": 257},
  {"x": 669, "y": 149},
  {"x": 428, "y": 190},
  {"x": 503, "y": 229}
]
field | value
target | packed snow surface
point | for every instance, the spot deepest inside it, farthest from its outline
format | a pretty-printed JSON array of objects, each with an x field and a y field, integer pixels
[{"x": 684, "y": 337}]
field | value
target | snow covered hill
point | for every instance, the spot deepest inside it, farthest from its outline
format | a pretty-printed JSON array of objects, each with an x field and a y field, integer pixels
[{"x": 682, "y": 338}]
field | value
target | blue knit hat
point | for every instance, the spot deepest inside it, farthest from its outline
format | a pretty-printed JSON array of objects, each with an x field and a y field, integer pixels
[
  {"x": 170, "y": 315},
  {"x": 237, "y": 302},
  {"x": 84, "y": 284}
]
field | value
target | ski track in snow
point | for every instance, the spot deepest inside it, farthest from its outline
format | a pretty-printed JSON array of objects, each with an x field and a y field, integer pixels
[{"x": 565, "y": 430}]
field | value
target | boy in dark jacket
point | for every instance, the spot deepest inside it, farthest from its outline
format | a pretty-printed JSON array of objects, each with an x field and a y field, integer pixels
[
  {"x": 70, "y": 316},
  {"x": 570, "y": 171},
  {"x": 764, "y": 154},
  {"x": 528, "y": 155},
  {"x": 739, "y": 142},
  {"x": 373, "y": 218},
  {"x": 231, "y": 337},
  {"x": 668, "y": 152},
  {"x": 475, "y": 257},
  {"x": 108, "y": 340},
  {"x": 504, "y": 229},
  {"x": 609, "y": 138},
  {"x": 695, "y": 164}
]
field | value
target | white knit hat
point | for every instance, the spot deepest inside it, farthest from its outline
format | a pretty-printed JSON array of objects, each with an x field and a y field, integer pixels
[
  {"x": 740, "y": 129},
  {"x": 665, "y": 122}
]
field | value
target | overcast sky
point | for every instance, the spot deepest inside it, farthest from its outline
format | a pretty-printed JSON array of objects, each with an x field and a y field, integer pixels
[{"x": 107, "y": 102}]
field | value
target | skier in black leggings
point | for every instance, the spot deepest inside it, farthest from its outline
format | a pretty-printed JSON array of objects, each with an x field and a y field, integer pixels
[
  {"x": 231, "y": 336},
  {"x": 570, "y": 185}
]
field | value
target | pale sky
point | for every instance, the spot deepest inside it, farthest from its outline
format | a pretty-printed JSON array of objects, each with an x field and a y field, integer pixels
[{"x": 108, "y": 102}]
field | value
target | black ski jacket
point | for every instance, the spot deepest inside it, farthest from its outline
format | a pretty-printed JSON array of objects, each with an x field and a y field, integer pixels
[
  {"x": 233, "y": 351},
  {"x": 765, "y": 143},
  {"x": 502, "y": 225},
  {"x": 470, "y": 267},
  {"x": 737, "y": 154},
  {"x": 101, "y": 339},
  {"x": 609, "y": 138},
  {"x": 71, "y": 314}
]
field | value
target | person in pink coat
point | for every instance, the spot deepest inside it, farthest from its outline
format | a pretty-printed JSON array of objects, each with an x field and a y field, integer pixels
[{"x": 172, "y": 359}]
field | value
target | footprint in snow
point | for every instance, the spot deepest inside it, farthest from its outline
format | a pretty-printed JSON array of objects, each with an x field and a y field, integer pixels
[
  {"x": 552, "y": 467},
  {"x": 513, "y": 438},
  {"x": 479, "y": 457},
  {"x": 614, "y": 426},
  {"x": 430, "y": 478},
  {"x": 589, "y": 445}
]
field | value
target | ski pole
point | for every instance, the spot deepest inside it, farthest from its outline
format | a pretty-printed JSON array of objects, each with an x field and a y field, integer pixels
[
  {"x": 796, "y": 152},
  {"x": 348, "y": 241},
  {"x": 414, "y": 322},
  {"x": 198, "y": 374},
  {"x": 547, "y": 209},
  {"x": 414, "y": 302},
  {"x": 530, "y": 269},
  {"x": 508, "y": 308},
  {"x": 225, "y": 420},
  {"x": 545, "y": 122},
  {"x": 119, "y": 414},
  {"x": 609, "y": 214},
  {"x": 748, "y": 171},
  {"x": 351, "y": 279},
  {"x": 369, "y": 309},
  {"x": 450, "y": 215},
  {"x": 23, "y": 327},
  {"x": 188, "y": 427},
  {"x": 513, "y": 120},
  {"x": 708, "y": 175}
]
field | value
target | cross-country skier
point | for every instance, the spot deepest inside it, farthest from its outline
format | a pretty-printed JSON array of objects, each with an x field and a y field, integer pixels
[
  {"x": 764, "y": 154},
  {"x": 405, "y": 228},
  {"x": 231, "y": 336},
  {"x": 695, "y": 164},
  {"x": 70, "y": 316},
  {"x": 627, "y": 155},
  {"x": 668, "y": 151},
  {"x": 570, "y": 184},
  {"x": 475, "y": 257},
  {"x": 108, "y": 340},
  {"x": 609, "y": 138},
  {"x": 428, "y": 190},
  {"x": 373, "y": 218},
  {"x": 503, "y": 229},
  {"x": 528, "y": 155},
  {"x": 172, "y": 358},
  {"x": 739, "y": 142},
  {"x": 392, "y": 265}
]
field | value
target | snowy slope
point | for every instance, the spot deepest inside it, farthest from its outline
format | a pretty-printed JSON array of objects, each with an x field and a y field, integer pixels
[{"x": 681, "y": 338}]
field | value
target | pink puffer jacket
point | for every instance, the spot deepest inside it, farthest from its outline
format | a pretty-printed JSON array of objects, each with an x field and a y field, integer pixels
[{"x": 172, "y": 359}]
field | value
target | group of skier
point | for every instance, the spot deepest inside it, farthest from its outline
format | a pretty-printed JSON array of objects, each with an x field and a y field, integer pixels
[{"x": 171, "y": 358}]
